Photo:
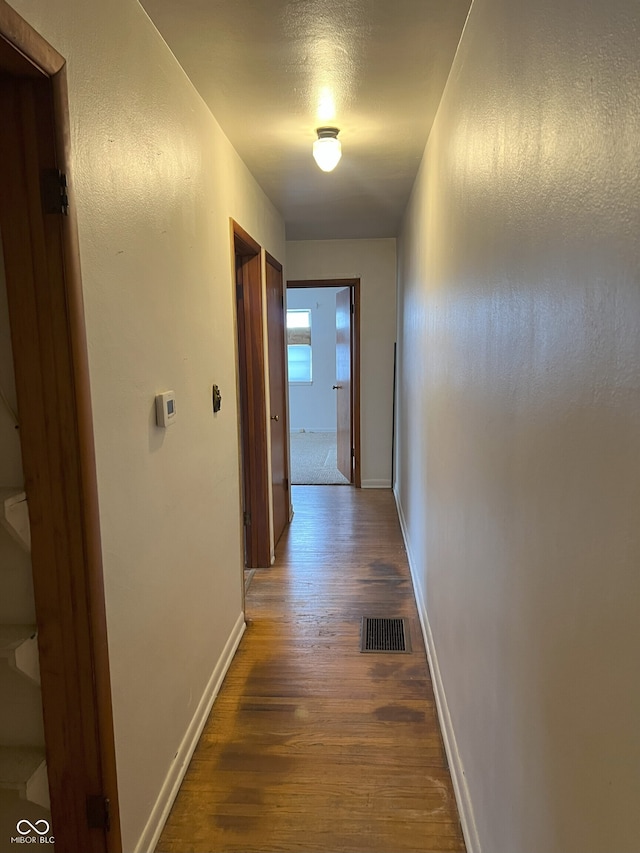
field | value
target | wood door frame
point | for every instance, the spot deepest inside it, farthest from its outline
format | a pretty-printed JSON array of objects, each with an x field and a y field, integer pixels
[
  {"x": 354, "y": 284},
  {"x": 52, "y": 381},
  {"x": 252, "y": 396},
  {"x": 269, "y": 259}
]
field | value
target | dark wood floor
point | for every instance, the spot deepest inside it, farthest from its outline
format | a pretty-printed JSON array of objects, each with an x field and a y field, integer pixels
[{"x": 311, "y": 745}]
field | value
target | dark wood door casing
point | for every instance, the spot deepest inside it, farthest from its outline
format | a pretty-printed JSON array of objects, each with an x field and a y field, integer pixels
[
  {"x": 252, "y": 393},
  {"x": 281, "y": 499},
  {"x": 343, "y": 387},
  {"x": 354, "y": 285}
]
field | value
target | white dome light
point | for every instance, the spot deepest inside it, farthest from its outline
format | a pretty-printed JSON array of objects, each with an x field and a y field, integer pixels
[{"x": 327, "y": 149}]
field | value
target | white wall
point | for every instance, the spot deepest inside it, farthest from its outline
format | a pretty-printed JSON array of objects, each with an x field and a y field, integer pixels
[
  {"x": 519, "y": 419},
  {"x": 155, "y": 182},
  {"x": 313, "y": 407},
  {"x": 374, "y": 262}
]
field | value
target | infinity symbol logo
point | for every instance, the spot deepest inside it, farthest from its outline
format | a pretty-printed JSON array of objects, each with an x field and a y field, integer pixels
[{"x": 32, "y": 827}]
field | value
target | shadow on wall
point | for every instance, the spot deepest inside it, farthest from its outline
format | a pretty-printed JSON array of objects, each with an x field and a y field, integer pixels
[
  {"x": 581, "y": 612},
  {"x": 554, "y": 592}
]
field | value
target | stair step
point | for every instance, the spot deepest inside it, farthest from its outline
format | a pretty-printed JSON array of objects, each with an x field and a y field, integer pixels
[
  {"x": 14, "y": 515},
  {"x": 23, "y": 769},
  {"x": 19, "y": 646}
]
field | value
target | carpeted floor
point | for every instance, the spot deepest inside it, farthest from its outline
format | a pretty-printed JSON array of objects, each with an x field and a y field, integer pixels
[{"x": 313, "y": 460}]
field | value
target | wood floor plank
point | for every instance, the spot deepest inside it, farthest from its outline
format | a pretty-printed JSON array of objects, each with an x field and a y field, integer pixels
[{"x": 312, "y": 745}]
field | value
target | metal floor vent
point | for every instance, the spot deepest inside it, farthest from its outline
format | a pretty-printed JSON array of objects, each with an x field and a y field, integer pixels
[{"x": 385, "y": 635}]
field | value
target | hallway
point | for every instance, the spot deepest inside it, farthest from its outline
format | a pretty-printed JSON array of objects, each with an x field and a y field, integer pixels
[{"x": 311, "y": 745}]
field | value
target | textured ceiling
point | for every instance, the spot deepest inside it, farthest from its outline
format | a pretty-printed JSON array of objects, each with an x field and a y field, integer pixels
[{"x": 272, "y": 71}]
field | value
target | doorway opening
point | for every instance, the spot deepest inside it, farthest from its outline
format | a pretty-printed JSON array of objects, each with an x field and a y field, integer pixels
[
  {"x": 252, "y": 395},
  {"x": 278, "y": 432},
  {"x": 266, "y": 502},
  {"x": 323, "y": 345}
]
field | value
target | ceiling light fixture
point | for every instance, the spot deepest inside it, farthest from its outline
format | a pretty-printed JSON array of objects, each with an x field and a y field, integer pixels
[{"x": 327, "y": 149}]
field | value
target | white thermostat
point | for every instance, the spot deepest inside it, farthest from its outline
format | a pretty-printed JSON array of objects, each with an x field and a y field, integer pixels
[{"x": 165, "y": 409}]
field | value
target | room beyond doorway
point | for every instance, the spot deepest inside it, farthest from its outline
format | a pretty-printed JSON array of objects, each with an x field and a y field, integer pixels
[
  {"x": 322, "y": 350},
  {"x": 314, "y": 459}
]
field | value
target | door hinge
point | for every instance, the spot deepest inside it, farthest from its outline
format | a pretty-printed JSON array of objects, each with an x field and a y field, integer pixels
[
  {"x": 353, "y": 308},
  {"x": 247, "y": 519},
  {"x": 286, "y": 482},
  {"x": 99, "y": 812},
  {"x": 54, "y": 192},
  {"x": 353, "y": 453}
]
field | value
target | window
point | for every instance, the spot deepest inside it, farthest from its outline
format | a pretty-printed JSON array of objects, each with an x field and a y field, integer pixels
[{"x": 299, "y": 345}]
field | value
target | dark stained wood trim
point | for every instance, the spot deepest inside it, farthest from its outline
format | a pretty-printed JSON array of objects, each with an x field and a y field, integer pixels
[
  {"x": 354, "y": 284},
  {"x": 322, "y": 282},
  {"x": 252, "y": 387},
  {"x": 49, "y": 345},
  {"x": 245, "y": 245},
  {"x": 15, "y": 63},
  {"x": 271, "y": 260},
  {"x": 241, "y": 401},
  {"x": 37, "y": 52},
  {"x": 285, "y": 412},
  {"x": 87, "y": 466},
  {"x": 355, "y": 372}
]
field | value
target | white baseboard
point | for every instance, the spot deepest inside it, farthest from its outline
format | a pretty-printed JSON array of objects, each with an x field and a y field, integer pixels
[
  {"x": 160, "y": 812},
  {"x": 461, "y": 790},
  {"x": 376, "y": 484}
]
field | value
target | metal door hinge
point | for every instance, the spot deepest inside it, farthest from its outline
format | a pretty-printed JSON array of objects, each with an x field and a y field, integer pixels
[
  {"x": 54, "y": 192},
  {"x": 353, "y": 308},
  {"x": 99, "y": 812},
  {"x": 247, "y": 519},
  {"x": 286, "y": 482}
]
